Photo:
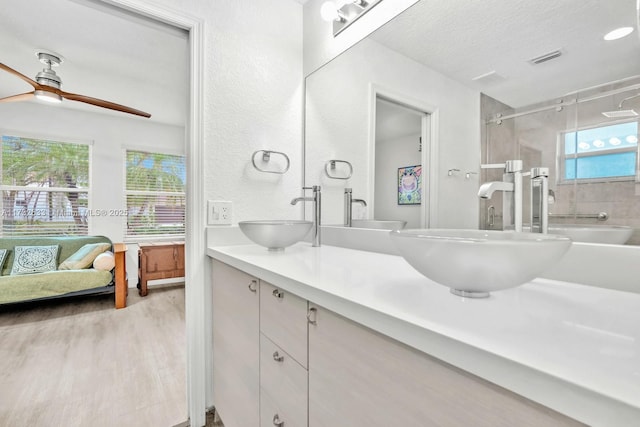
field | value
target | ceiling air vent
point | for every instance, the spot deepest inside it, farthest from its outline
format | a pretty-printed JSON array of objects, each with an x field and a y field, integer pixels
[
  {"x": 546, "y": 57},
  {"x": 489, "y": 78}
]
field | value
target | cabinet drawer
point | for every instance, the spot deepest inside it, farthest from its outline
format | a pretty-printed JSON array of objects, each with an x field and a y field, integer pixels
[
  {"x": 236, "y": 346},
  {"x": 283, "y": 387},
  {"x": 283, "y": 319}
]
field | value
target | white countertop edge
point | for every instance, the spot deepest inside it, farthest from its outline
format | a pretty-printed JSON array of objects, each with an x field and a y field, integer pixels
[{"x": 573, "y": 400}]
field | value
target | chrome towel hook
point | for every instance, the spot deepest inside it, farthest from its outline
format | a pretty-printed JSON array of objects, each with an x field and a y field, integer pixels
[
  {"x": 266, "y": 156},
  {"x": 330, "y": 169}
]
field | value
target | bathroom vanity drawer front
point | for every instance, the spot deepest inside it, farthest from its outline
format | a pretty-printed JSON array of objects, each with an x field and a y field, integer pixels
[
  {"x": 283, "y": 387},
  {"x": 236, "y": 345},
  {"x": 283, "y": 319}
]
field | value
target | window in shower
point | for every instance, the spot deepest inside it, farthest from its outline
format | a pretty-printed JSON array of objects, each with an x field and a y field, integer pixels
[{"x": 605, "y": 153}]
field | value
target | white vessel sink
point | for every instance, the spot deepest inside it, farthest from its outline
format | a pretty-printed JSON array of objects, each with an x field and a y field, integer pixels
[
  {"x": 475, "y": 262},
  {"x": 612, "y": 234},
  {"x": 275, "y": 234},
  {"x": 378, "y": 224}
]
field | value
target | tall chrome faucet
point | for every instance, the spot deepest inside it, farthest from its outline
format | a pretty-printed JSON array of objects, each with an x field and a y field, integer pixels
[
  {"x": 511, "y": 185},
  {"x": 317, "y": 205},
  {"x": 539, "y": 216},
  {"x": 348, "y": 206}
]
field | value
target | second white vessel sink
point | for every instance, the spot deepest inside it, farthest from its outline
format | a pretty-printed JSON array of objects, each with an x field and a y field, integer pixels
[
  {"x": 275, "y": 234},
  {"x": 475, "y": 262},
  {"x": 378, "y": 224},
  {"x": 611, "y": 234}
]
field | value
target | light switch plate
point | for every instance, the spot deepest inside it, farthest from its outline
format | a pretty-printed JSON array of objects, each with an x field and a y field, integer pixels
[{"x": 219, "y": 212}]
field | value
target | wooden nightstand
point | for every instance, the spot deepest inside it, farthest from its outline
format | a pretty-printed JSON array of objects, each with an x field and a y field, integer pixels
[{"x": 161, "y": 260}]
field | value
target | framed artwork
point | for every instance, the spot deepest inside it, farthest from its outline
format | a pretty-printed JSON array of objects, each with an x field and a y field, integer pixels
[{"x": 410, "y": 185}]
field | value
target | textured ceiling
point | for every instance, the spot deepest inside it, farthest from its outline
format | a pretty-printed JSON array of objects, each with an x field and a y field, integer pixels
[
  {"x": 464, "y": 39},
  {"x": 144, "y": 64}
]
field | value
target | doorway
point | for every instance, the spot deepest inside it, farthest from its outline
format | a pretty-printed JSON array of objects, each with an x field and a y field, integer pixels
[
  {"x": 402, "y": 162},
  {"x": 196, "y": 293}
]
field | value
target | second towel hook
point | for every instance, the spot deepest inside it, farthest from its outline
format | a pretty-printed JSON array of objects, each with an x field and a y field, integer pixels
[{"x": 331, "y": 165}]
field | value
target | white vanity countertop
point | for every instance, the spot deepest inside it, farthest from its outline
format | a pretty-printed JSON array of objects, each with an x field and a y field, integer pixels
[{"x": 570, "y": 347}]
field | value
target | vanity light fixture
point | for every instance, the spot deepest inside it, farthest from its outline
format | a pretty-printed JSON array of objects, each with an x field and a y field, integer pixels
[
  {"x": 618, "y": 33},
  {"x": 345, "y": 12}
]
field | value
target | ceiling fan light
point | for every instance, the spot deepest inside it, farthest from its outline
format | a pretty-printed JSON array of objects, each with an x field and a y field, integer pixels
[{"x": 46, "y": 96}]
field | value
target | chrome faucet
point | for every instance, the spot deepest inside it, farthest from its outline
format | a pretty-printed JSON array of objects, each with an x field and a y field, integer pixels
[
  {"x": 511, "y": 183},
  {"x": 316, "y": 199},
  {"x": 348, "y": 208},
  {"x": 539, "y": 215}
]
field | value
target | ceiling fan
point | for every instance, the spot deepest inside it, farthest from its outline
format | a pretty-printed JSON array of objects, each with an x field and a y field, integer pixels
[{"x": 46, "y": 87}]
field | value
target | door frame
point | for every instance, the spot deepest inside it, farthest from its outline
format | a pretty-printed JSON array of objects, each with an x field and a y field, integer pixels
[
  {"x": 196, "y": 263},
  {"x": 430, "y": 148}
]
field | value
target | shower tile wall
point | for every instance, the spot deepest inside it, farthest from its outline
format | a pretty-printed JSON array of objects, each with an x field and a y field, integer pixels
[
  {"x": 534, "y": 138},
  {"x": 497, "y": 145}
]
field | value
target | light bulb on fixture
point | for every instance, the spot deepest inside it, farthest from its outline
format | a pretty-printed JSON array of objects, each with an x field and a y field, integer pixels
[
  {"x": 46, "y": 96},
  {"x": 330, "y": 12},
  {"x": 343, "y": 13}
]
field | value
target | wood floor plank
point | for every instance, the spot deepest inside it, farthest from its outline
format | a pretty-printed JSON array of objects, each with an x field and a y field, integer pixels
[{"x": 81, "y": 362}]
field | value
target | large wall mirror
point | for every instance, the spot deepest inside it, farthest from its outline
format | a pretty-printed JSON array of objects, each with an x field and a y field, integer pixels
[{"x": 450, "y": 86}]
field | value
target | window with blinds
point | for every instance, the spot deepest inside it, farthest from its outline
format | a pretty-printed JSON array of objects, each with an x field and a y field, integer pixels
[
  {"x": 45, "y": 187},
  {"x": 154, "y": 195}
]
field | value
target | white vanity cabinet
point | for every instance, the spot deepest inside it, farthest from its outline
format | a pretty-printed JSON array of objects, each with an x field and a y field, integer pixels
[
  {"x": 236, "y": 341},
  {"x": 283, "y": 358},
  {"x": 259, "y": 351},
  {"x": 358, "y": 377},
  {"x": 280, "y": 360}
]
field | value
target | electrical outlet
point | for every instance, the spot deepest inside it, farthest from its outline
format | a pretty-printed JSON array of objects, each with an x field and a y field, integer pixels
[{"x": 219, "y": 212}]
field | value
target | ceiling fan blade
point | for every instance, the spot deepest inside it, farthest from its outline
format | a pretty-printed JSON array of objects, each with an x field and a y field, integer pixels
[
  {"x": 20, "y": 75},
  {"x": 20, "y": 97},
  {"x": 103, "y": 104}
]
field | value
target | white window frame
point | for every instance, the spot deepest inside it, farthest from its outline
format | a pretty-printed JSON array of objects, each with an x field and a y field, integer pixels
[
  {"x": 562, "y": 157},
  {"x": 133, "y": 238},
  {"x": 86, "y": 190}
]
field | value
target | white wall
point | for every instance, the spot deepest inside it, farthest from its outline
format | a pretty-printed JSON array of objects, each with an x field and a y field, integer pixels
[
  {"x": 253, "y": 101},
  {"x": 109, "y": 135},
  {"x": 338, "y": 127},
  {"x": 392, "y": 154}
]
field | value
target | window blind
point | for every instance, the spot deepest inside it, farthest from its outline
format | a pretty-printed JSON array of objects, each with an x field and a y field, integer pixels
[
  {"x": 154, "y": 195},
  {"x": 45, "y": 187}
]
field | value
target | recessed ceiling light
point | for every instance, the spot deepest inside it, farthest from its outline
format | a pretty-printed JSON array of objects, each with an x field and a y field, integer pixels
[{"x": 618, "y": 33}]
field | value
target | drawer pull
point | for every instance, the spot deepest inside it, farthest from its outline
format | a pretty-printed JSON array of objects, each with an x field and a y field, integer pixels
[
  {"x": 278, "y": 293},
  {"x": 277, "y": 422},
  {"x": 277, "y": 357},
  {"x": 253, "y": 286},
  {"x": 312, "y": 313}
]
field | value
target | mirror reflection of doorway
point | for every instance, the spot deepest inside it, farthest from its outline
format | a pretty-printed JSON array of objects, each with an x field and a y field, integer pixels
[{"x": 401, "y": 153}]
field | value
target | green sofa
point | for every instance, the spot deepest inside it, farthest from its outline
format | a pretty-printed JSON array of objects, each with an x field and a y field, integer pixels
[{"x": 53, "y": 284}]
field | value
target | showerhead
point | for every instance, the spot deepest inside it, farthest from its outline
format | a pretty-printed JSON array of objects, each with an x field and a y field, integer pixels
[
  {"x": 617, "y": 114},
  {"x": 620, "y": 113}
]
